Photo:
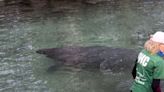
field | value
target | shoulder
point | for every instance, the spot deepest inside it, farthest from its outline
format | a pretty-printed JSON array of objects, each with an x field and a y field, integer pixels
[
  {"x": 154, "y": 58},
  {"x": 157, "y": 60}
]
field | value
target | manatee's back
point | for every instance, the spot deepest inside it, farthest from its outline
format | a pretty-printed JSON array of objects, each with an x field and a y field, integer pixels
[
  {"x": 93, "y": 56},
  {"x": 73, "y": 55}
]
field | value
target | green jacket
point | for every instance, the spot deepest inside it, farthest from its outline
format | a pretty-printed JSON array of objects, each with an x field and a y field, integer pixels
[{"x": 148, "y": 67}]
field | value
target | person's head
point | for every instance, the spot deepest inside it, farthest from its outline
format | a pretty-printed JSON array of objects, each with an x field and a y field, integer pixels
[{"x": 155, "y": 43}]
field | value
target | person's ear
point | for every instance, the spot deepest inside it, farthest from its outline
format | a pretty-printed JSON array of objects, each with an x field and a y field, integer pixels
[{"x": 161, "y": 47}]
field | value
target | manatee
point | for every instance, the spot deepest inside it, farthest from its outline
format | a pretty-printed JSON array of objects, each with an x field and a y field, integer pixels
[{"x": 93, "y": 57}]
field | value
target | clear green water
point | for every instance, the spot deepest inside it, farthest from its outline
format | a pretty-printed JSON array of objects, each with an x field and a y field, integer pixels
[{"x": 121, "y": 23}]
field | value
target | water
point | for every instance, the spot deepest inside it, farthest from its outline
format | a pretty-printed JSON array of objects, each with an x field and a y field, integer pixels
[{"x": 23, "y": 30}]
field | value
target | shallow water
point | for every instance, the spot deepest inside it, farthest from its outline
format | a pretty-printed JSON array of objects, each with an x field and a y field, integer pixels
[{"x": 23, "y": 30}]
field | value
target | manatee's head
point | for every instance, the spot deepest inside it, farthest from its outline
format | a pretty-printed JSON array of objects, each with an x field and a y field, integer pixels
[{"x": 117, "y": 65}]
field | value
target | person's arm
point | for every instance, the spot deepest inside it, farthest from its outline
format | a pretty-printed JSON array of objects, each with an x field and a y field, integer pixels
[
  {"x": 134, "y": 69},
  {"x": 156, "y": 85}
]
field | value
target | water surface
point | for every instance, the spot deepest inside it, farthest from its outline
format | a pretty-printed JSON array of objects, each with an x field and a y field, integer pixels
[{"x": 23, "y": 30}]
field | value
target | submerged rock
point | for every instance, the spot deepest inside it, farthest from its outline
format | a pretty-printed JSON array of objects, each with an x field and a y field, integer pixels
[{"x": 97, "y": 57}]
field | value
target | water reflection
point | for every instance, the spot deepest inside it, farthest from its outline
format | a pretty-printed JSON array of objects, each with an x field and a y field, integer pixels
[{"x": 24, "y": 29}]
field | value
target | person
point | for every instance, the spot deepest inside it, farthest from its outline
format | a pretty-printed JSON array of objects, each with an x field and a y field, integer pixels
[{"x": 149, "y": 66}]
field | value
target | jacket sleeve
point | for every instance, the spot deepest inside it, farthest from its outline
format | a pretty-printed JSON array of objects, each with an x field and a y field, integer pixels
[
  {"x": 156, "y": 85},
  {"x": 158, "y": 72},
  {"x": 134, "y": 69}
]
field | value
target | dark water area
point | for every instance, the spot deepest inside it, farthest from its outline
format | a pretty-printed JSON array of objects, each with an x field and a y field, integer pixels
[{"x": 28, "y": 26}]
